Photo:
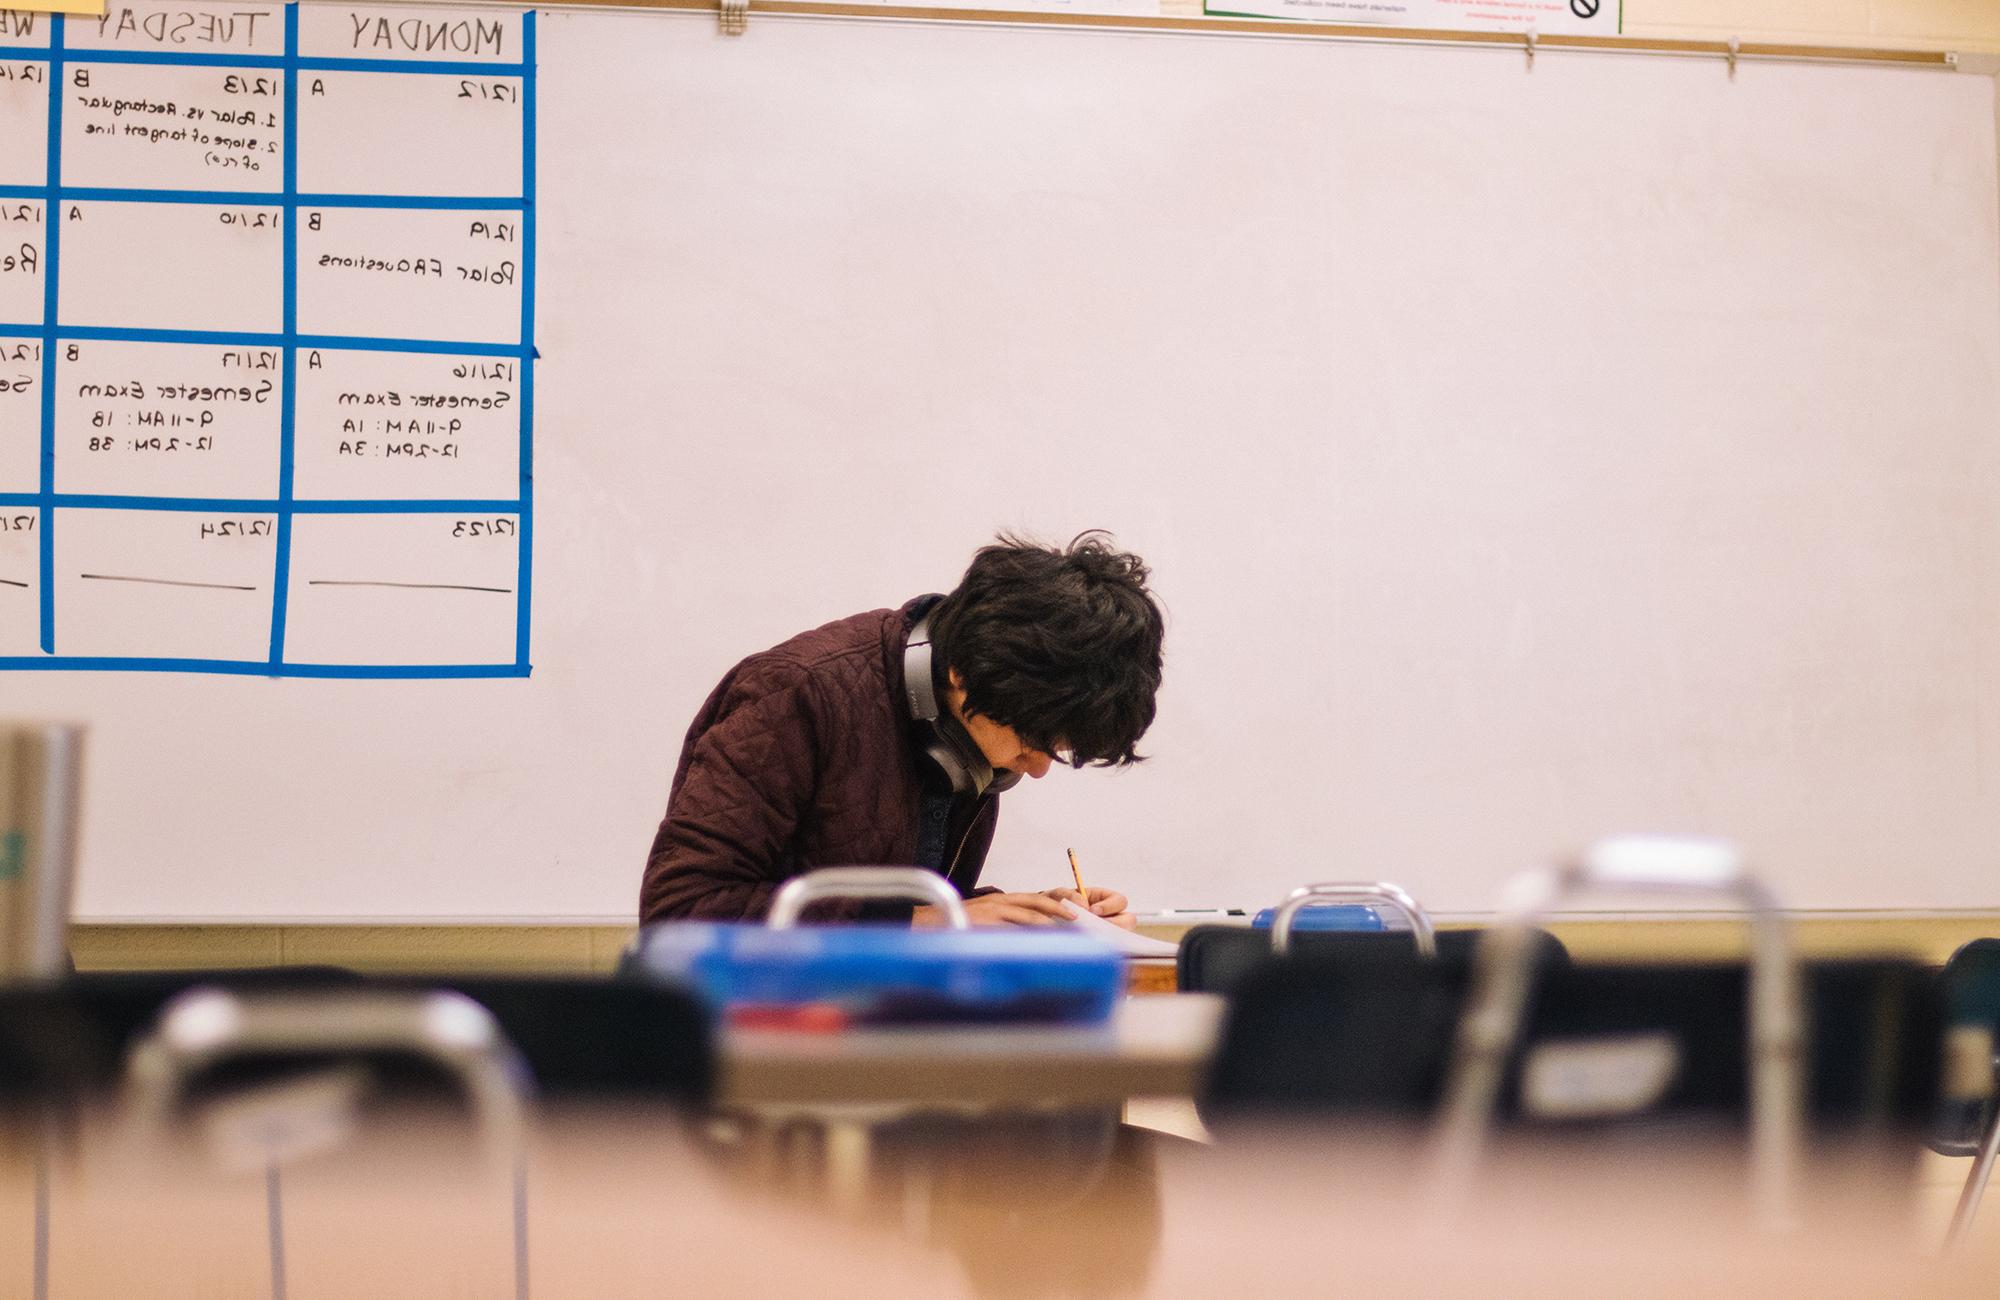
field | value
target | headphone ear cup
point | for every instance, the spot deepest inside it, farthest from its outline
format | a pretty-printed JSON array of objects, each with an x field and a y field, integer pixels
[
  {"x": 948, "y": 744},
  {"x": 958, "y": 756},
  {"x": 967, "y": 766},
  {"x": 945, "y": 760},
  {"x": 979, "y": 773}
]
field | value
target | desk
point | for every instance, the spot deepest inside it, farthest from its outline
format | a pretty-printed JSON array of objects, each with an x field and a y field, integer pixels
[
  {"x": 1153, "y": 1047},
  {"x": 621, "y": 1208},
  {"x": 1151, "y": 975}
]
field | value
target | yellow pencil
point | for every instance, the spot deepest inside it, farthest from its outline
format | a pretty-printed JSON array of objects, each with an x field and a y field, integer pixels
[{"x": 1077, "y": 871}]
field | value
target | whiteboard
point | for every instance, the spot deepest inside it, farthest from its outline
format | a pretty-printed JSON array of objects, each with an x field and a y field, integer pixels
[{"x": 1522, "y": 456}]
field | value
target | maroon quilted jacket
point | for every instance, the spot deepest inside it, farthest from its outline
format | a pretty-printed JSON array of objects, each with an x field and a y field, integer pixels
[{"x": 804, "y": 756}]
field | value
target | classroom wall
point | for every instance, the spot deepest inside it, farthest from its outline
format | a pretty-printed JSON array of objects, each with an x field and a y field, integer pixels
[{"x": 1967, "y": 26}]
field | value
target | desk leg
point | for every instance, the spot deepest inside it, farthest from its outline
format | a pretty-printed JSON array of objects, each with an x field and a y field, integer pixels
[
  {"x": 1975, "y": 1183},
  {"x": 46, "y": 1138},
  {"x": 848, "y": 1153}
]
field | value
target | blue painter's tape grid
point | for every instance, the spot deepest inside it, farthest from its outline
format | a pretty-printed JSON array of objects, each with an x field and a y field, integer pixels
[
  {"x": 278, "y": 199},
  {"x": 284, "y": 505},
  {"x": 51, "y": 255},
  {"x": 525, "y": 580},
  {"x": 281, "y": 585},
  {"x": 265, "y": 505},
  {"x": 170, "y": 58},
  {"x": 322, "y": 342},
  {"x": 258, "y": 667}
]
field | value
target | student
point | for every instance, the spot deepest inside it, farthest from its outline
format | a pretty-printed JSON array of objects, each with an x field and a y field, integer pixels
[{"x": 886, "y": 738}]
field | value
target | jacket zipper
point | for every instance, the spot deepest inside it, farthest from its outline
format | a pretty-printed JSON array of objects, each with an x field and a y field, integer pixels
[{"x": 978, "y": 811}]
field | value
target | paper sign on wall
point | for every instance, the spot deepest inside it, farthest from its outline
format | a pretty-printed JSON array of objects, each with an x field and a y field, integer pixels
[
  {"x": 1548, "y": 17},
  {"x": 1141, "y": 8}
]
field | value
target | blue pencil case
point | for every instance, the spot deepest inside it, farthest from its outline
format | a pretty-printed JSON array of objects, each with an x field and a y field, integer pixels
[
  {"x": 875, "y": 974},
  {"x": 1318, "y": 920}
]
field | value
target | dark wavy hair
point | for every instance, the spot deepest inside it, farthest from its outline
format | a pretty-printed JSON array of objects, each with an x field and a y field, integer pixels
[{"x": 1060, "y": 644}]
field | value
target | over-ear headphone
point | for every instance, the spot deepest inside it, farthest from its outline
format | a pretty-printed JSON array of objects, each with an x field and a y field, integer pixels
[{"x": 947, "y": 743}]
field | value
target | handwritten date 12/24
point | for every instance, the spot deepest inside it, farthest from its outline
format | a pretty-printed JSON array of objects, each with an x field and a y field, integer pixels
[{"x": 214, "y": 528}]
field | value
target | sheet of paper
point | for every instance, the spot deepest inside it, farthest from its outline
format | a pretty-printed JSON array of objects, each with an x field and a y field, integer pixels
[
  {"x": 1143, "y": 8},
  {"x": 1549, "y": 17},
  {"x": 1125, "y": 941}
]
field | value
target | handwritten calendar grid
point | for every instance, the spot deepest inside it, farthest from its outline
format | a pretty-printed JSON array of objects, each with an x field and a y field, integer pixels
[{"x": 490, "y": 517}]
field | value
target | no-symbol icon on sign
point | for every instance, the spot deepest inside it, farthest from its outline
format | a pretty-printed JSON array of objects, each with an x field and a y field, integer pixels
[{"x": 1585, "y": 8}]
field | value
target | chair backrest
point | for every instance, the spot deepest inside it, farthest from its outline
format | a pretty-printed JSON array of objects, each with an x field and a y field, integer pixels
[
  {"x": 587, "y": 1039},
  {"x": 1370, "y": 1033},
  {"x": 581, "y": 1038},
  {"x": 1357, "y": 1030},
  {"x": 1969, "y": 985},
  {"x": 1216, "y": 958},
  {"x": 65, "y": 1041}
]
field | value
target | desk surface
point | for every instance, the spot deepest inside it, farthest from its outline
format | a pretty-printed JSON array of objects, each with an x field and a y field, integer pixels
[
  {"x": 623, "y": 1207},
  {"x": 1153, "y": 1047}
]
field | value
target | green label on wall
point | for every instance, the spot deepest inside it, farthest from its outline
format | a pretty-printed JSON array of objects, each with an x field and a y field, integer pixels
[{"x": 13, "y": 854}]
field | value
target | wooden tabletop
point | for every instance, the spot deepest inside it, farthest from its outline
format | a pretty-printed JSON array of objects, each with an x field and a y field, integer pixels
[{"x": 624, "y": 1207}]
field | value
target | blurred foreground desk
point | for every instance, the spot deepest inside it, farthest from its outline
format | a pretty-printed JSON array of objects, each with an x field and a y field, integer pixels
[
  {"x": 1153, "y": 1047},
  {"x": 621, "y": 1207}
]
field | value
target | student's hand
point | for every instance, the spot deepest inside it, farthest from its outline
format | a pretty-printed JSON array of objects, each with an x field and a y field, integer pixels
[
  {"x": 999, "y": 909},
  {"x": 1107, "y": 903}
]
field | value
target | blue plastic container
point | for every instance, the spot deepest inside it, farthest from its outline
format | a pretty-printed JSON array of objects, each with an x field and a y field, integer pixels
[
  {"x": 1333, "y": 916},
  {"x": 888, "y": 974}
]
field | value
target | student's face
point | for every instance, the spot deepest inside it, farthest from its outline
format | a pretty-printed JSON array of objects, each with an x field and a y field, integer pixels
[{"x": 1003, "y": 749}]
